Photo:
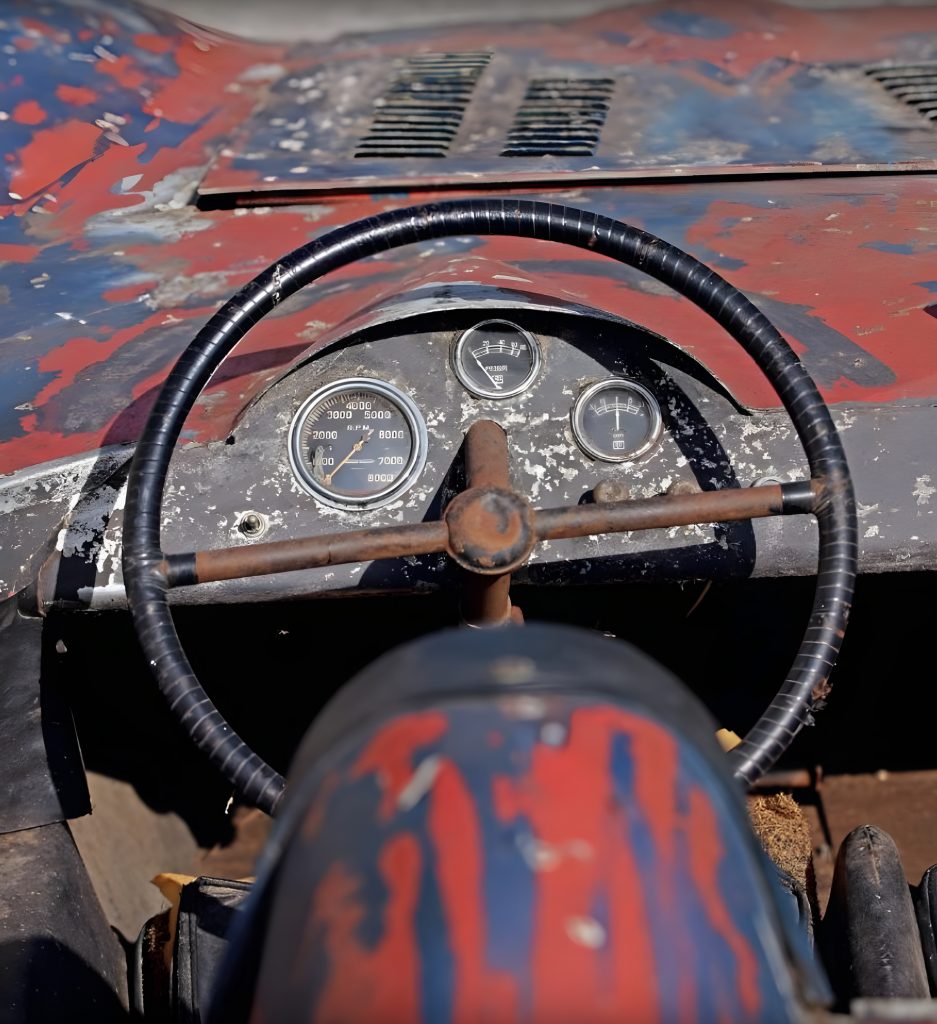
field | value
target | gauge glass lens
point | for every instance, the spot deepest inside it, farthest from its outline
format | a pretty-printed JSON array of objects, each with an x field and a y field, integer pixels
[
  {"x": 496, "y": 359},
  {"x": 357, "y": 443},
  {"x": 616, "y": 420}
]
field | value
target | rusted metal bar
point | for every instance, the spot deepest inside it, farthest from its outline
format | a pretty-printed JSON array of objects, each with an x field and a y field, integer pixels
[
  {"x": 486, "y": 456},
  {"x": 485, "y": 600},
  {"x": 791, "y": 778},
  {"x": 656, "y": 513},
  {"x": 306, "y": 553},
  {"x": 486, "y": 459}
]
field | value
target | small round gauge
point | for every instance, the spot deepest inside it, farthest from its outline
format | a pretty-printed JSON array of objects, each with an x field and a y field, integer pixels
[
  {"x": 496, "y": 359},
  {"x": 616, "y": 420},
  {"x": 357, "y": 443}
]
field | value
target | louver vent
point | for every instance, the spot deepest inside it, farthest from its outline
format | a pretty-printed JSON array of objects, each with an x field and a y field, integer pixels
[
  {"x": 913, "y": 84},
  {"x": 560, "y": 117},
  {"x": 420, "y": 113}
]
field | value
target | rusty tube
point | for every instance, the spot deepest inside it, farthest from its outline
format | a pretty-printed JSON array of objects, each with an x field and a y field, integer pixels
[
  {"x": 486, "y": 456},
  {"x": 485, "y": 600},
  {"x": 656, "y": 513},
  {"x": 307, "y": 553}
]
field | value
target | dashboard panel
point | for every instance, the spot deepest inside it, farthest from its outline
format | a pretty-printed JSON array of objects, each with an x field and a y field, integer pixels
[{"x": 597, "y": 410}]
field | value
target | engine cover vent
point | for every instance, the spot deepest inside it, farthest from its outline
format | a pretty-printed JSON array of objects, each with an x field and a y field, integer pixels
[
  {"x": 560, "y": 117},
  {"x": 913, "y": 84},
  {"x": 461, "y": 116},
  {"x": 422, "y": 109}
]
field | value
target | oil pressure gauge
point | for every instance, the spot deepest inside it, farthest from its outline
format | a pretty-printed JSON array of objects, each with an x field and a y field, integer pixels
[
  {"x": 616, "y": 420},
  {"x": 496, "y": 359}
]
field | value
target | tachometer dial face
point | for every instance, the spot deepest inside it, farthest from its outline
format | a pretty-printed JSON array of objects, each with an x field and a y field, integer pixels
[
  {"x": 616, "y": 420},
  {"x": 496, "y": 359},
  {"x": 357, "y": 443}
]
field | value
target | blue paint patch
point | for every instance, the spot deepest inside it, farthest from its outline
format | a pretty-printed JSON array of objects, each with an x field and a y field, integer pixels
[
  {"x": 687, "y": 23},
  {"x": 931, "y": 286},
  {"x": 898, "y": 248},
  {"x": 508, "y": 883},
  {"x": 18, "y": 387},
  {"x": 618, "y": 38}
]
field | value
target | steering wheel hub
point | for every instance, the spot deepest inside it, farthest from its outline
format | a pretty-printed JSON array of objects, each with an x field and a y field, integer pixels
[{"x": 490, "y": 530}]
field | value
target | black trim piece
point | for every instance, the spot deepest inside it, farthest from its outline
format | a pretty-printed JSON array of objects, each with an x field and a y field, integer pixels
[
  {"x": 798, "y": 498},
  {"x": 180, "y": 570}
]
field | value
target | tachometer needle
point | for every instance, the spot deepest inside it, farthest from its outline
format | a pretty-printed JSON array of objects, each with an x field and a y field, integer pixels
[
  {"x": 485, "y": 371},
  {"x": 355, "y": 448}
]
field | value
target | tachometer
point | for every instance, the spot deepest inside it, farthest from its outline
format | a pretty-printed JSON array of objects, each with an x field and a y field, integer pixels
[
  {"x": 357, "y": 443},
  {"x": 616, "y": 420},
  {"x": 496, "y": 359}
]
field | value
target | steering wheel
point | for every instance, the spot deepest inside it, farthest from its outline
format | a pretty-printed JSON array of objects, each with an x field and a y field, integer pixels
[{"x": 488, "y": 529}]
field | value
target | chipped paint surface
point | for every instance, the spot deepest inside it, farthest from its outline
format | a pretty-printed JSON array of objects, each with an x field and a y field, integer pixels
[
  {"x": 778, "y": 89},
  {"x": 436, "y": 909},
  {"x": 113, "y": 118},
  {"x": 110, "y": 270}
]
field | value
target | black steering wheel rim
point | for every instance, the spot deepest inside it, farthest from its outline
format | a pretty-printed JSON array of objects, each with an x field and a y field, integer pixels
[{"x": 143, "y": 565}]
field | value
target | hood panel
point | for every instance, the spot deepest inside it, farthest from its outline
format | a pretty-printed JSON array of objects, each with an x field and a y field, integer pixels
[
  {"x": 109, "y": 270},
  {"x": 643, "y": 92},
  {"x": 845, "y": 269}
]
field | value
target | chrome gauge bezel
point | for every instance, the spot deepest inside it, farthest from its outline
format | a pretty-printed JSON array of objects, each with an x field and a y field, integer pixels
[
  {"x": 605, "y": 384},
  {"x": 411, "y": 471},
  {"x": 483, "y": 392}
]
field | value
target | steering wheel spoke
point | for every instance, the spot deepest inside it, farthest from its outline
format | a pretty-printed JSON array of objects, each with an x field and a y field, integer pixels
[
  {"x": 723, "y": 506},
  {"x": 489, "y": 531},
  {"x": 279, "y": 556}
]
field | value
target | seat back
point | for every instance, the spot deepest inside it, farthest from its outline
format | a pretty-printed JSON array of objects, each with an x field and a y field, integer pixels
[{"x": 517, "y": 824}]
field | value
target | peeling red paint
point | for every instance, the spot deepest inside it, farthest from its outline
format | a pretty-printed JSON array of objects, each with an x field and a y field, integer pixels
[
  {"x": 850, "y": 257},
  {"x": 51, "y": 153},
  {"x": 153, "y": 43},
  {"x": 28, "y": 112},
  {"x": 370, "y": 983},
  {"x": 391, "y": 753},
  {"x": 480, "y": 993},
  {"x": 569, "y": 801},
  {"x": 76, "y": 95},
  {"x": 18, "y": 253}
]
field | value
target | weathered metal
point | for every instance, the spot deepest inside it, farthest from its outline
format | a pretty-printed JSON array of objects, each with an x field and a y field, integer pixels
[
  {"x": 661, "y": 512},
  {"x": 290, "y": 555},
  {"x": 475, "y": 535},
  {"x": 636, "y": 94},
  {"x": 552, "y": 834},
  {"x": 485, "y": 599},
  {"x": 110, "y": 268}
]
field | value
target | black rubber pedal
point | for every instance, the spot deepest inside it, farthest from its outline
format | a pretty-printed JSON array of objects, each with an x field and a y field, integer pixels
[
  {"x": 925, "y": 905},
  {"x": 870, "y": 938}
]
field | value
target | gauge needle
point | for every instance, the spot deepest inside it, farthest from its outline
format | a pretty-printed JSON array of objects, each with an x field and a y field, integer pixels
[
  {"x": 617, "y": 424},
  {"x": 486, "y": 373},
  {"x": 355, "y": 448}
]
